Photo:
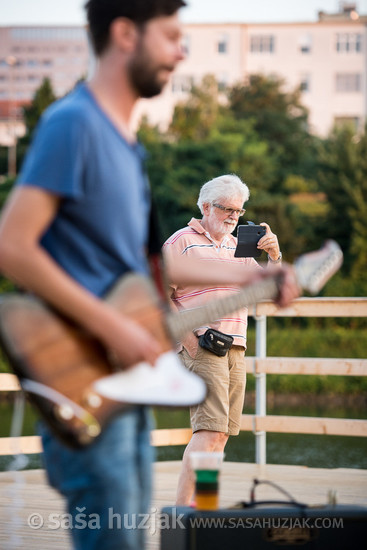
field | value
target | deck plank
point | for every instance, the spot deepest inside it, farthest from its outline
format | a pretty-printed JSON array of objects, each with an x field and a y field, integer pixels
[{"x": 26, "y": 493}]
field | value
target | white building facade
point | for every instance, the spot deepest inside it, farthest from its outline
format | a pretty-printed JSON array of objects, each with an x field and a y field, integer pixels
[{"x": 327, "y": 58}]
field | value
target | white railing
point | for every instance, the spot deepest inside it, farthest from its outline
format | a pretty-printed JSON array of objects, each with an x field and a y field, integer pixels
[
  {"x": 260, "y": 423},
  {"x": 260, "y": 365}
]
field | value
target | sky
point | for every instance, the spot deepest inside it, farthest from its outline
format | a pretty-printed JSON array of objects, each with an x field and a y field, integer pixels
[{"x": 65, "y": 12}]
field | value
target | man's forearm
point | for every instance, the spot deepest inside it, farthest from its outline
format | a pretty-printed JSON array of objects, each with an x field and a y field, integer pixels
[{"x": 187, "y": 271}]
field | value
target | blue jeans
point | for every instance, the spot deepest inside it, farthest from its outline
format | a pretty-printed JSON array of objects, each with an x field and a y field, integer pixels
[{"x": 108, "y": 481}]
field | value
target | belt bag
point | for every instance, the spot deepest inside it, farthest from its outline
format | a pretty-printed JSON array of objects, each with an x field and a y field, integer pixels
[{"x": 216, "y": 342}]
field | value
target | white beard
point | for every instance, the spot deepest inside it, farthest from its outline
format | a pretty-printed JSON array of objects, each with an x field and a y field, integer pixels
[{"x": 223, "y": 228}]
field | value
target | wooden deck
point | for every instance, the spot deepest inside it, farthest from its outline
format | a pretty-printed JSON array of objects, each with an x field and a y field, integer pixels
[{"x": 25, "y": 493}]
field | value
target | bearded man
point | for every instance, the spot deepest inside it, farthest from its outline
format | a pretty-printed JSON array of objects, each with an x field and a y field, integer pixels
[
  {"x": 78, "y": 220},
  {"x": 210, "y": 239}
]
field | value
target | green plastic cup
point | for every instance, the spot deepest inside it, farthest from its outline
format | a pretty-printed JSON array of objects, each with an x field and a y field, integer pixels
[{"x": 206, "y": 466}]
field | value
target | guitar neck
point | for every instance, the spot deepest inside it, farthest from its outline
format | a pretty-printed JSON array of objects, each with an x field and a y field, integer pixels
[{"x": 185, "y": 321}]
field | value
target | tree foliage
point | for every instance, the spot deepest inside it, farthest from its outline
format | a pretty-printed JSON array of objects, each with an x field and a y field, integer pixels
[
  {"x": 195, "y": 118},
  {"x": 43, "y": 97},
  {"x": 307, "y": 188},
  {"x": 343, "y": 177},
  {"x": 279, "y": 118}
]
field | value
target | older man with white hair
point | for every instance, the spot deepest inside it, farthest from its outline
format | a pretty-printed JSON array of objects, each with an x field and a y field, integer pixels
[{"x": 210, "y": 239}]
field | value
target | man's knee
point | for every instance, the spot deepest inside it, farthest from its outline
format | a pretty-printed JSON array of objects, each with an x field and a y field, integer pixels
[{"x": 212, "y": 439}]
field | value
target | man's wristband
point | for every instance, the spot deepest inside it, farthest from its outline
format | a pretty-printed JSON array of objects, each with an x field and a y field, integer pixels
[{"x": 277, "y": 261}]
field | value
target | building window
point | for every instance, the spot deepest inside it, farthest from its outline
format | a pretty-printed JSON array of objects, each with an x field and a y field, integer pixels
[
  {"x": 352, "y": 121},
  {"x": 48, "y": 33},
  {"x": 10, "y": 61},
  {"x": 305, "y": 43},
  {"x": 348, "y": 42},
  {"x": 222, "y": 45},
  {"x": 305, "y": 83},
  {"x": 262, "y": 43},
  {"x": 222, "y": 80},
  {"x": 348, "y": 82},
  {"x": 181, "y": 83},
  {"x": 186, "y": 43}
]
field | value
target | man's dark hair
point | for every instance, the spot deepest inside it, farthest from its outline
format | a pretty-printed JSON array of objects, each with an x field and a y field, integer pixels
[{"x": 101, "y": 13}]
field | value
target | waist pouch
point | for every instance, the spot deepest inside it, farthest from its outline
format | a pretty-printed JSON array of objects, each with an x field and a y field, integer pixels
[{"x": 216, "y": 342}]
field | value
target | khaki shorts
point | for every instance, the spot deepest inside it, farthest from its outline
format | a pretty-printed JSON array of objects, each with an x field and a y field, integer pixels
[{"x": 226, "y": 381}]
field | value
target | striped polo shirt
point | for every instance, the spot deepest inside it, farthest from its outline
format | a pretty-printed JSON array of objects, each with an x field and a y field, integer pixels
[{"x": 195, "y": 242}]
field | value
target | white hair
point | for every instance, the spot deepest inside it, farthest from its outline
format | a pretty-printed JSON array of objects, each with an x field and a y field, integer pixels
[{"x": 222, "y": 187}]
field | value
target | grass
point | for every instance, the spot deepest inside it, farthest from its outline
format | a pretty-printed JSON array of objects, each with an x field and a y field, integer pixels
[{"x": 327, "y": 342}]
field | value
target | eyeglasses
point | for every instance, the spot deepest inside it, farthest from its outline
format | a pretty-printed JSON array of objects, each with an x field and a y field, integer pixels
[{"x": 230, "y": 211}]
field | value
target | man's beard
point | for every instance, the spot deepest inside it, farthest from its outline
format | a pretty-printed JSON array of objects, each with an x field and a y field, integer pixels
[
  {"x": 223, "y": 228},
  {"x": 144, "y": 74}
]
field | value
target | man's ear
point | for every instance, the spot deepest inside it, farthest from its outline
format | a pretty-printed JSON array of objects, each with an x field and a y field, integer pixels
[
  {"x": 124, "y": 34},
  {"x": 206, "y": 208}
]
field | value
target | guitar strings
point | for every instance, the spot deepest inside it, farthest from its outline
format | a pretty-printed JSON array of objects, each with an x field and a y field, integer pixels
[{"x": 188, "y": 319}]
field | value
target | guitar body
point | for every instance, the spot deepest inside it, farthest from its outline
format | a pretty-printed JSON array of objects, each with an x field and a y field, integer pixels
[{"x": 47, "y": 349}]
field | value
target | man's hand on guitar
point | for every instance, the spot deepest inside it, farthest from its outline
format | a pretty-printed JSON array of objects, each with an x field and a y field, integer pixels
[
  {"x": 289, "y": 288},
  {"x": 129, "y": 342}
]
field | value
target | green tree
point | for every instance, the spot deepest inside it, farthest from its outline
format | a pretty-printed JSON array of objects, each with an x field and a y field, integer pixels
[
  {"x": 43, "y": 97},
  {"x": 343, "y": 176},
  {"x": 204, "y": 140},
  {"x": 5, "y": 189},
  {"x": 5, "y": 284},
  {"x": 306, "y": 188},
  {"x": 176, "y": 172},
  {"x": 246, "y": 154},
  {"x": 280, "y": 120},
  {"x": 194, "y": 118},
  {"x": 190, "y": 154}
]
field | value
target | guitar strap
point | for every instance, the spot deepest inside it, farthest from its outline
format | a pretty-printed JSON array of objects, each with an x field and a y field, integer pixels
[{"x": 155, "y": 243}]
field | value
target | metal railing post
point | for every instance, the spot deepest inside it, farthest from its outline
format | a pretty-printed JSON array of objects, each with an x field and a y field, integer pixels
[{"x": 260, "y": 405}]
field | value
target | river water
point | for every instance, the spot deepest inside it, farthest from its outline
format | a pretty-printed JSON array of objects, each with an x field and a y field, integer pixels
[{"x": 319, "y": 451}]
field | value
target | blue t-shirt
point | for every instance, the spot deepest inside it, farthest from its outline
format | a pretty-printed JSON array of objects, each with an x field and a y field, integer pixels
[{"x": 101, "y": 229}]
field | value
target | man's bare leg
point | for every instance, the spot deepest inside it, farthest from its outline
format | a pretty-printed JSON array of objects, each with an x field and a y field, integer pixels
[{"x": 202, "y": 440}]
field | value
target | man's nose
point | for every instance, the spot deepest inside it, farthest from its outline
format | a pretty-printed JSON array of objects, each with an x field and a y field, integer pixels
[{"x": 234, "y": 215}]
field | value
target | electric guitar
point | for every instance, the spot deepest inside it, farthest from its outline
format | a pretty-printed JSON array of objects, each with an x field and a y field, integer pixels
[{"x": 77, "y": 385}]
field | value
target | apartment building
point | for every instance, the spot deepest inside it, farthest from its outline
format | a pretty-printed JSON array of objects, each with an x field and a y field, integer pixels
[
  {"x": 29, "y": 54},
  {"x": 327, "y": 58}
]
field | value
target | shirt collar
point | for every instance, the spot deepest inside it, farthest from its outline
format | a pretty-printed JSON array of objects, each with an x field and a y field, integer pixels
[{"x": 196, "y": 226}]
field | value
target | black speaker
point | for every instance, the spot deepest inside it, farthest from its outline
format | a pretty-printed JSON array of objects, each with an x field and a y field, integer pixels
[{"x": 337, "y": 527}]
